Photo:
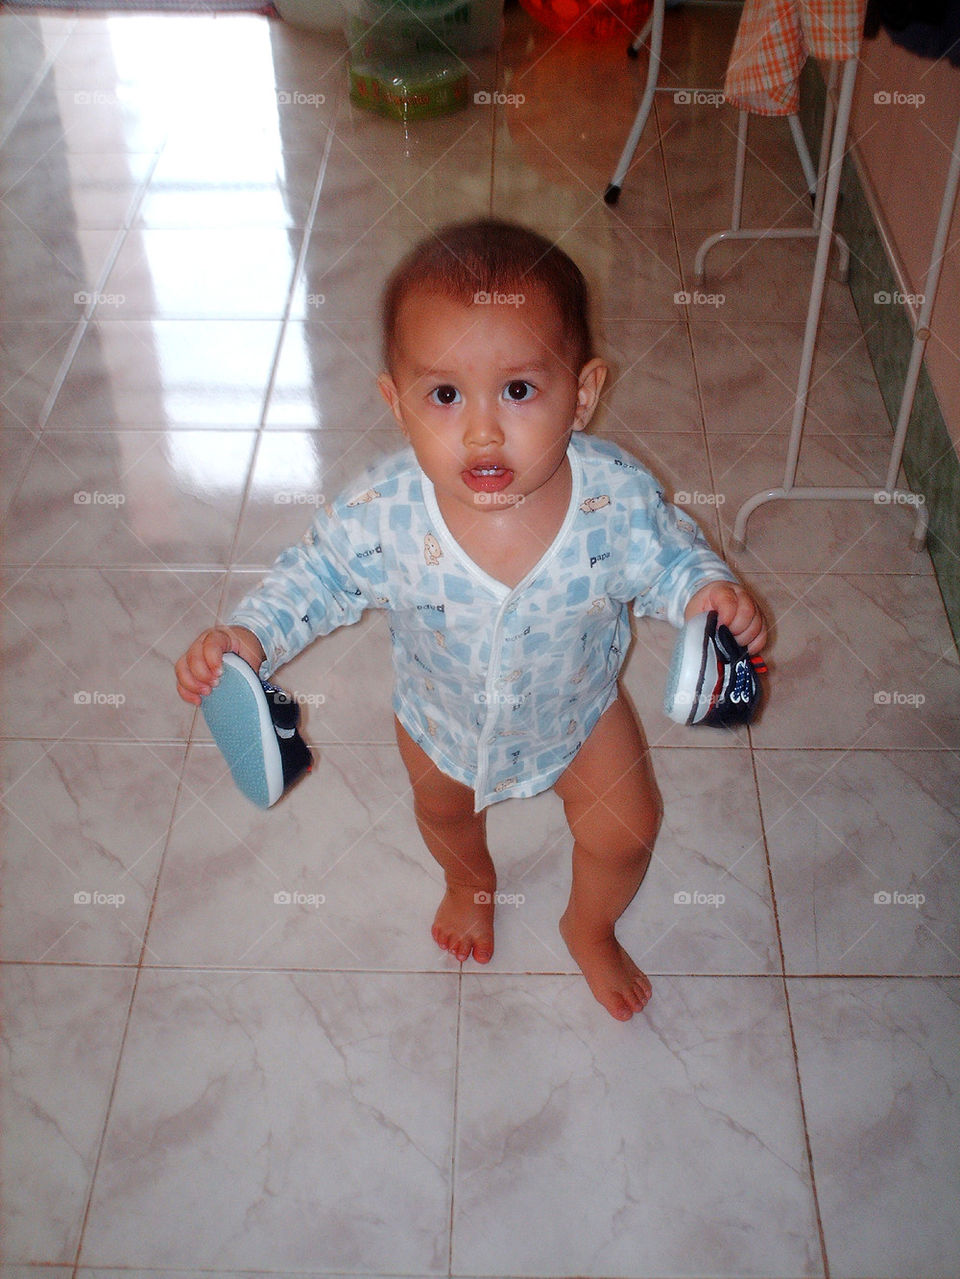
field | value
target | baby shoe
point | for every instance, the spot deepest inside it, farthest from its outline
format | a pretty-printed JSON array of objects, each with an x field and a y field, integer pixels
[
  {"x": 255, "y": 726},
  {"x": 712, "y": 679}
]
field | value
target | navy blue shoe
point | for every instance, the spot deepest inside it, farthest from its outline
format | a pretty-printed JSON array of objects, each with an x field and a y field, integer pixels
[
  {"x": 255, "y": 726},
  {"x": 713, "y": 679}
]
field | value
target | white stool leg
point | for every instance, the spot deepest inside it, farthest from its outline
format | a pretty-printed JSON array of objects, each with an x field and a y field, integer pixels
[
  {"x": 700, "y": 261},
  {"x": 830, "y": 166},
  {"x": 803, "y": 153},
  {"x": 612, "y": 193}
]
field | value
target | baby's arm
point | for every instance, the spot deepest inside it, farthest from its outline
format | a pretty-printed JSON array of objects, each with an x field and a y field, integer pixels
[
  {"x": 735, "y": 608},
  {"x": 198, "y": 670},
  {"x": 313, "y": 587}
]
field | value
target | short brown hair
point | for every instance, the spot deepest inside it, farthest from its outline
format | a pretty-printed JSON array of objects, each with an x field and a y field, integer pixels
[{"x": 487, "y": 256}]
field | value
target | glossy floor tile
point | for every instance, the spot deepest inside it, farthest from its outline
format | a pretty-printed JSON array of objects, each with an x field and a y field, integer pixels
[
  {"x": 774, "y": 189},
  {"x": 886, "y": 903},
  {"x": 302, "y": 902},
  {"x": 544, "y": 1138},
  {"x": 229, "y": 1044},
  {"x": 82, "y": 850},
  {"x": 755, "y": 393},
  {"x": 63, "y": 1028},
  {"x": 838, "y": 631},
  {"x": 870, "y": 535},
  {"x": 167, "y": 373},
  {"x": 324, "y": 1102},
  {"x": 130, "y": 497},
  {"x": 880, "y": 1070}
]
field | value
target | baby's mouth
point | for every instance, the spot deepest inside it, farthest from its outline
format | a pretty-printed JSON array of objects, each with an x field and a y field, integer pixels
[{"x": 487, "y": 478}]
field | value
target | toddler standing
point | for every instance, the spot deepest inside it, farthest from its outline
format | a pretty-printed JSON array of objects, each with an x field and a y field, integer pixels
[{"x": 507, "y": 547}]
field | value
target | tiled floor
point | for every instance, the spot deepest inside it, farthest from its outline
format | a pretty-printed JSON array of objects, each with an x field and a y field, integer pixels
[{"x": 198, "y": 1079}]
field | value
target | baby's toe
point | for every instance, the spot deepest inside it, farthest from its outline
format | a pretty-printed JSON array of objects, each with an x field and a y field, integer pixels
[{"x": 619, "y": 1006}]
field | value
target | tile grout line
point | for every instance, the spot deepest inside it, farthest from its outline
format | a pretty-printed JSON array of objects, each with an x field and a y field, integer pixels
[
  {"x": 790, "y": 1027},
  {"x": 80, "y": 331},
  {"x": 39, "y": 76},
  {"x": 686, "y": 321},
  {"x": 806, "y": 1133},
  {"x": 455, "y": 1101},
  {"x": 296, "y": 274},
  {"x": 75, "y": 1264},
  {"x": 138, "y": 969},
  {"x": 228, "y": 569},
  {"x": 498, "y": 72},
  {"x": 289, "y": 969},
  {"x": 347, "y": 743},
  {"x": 454, "y": 1113},
  {"x": 83, "y": 324}
]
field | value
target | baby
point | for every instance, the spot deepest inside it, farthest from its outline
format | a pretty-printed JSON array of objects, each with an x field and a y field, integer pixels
[{"x": 508, "y": 548}]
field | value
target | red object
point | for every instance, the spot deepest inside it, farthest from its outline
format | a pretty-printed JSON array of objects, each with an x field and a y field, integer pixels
[{"x": 591, "y": 19}]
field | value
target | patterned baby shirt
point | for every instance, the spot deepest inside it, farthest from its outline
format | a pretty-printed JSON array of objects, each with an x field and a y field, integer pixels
[{"x": 500, "y": 686}]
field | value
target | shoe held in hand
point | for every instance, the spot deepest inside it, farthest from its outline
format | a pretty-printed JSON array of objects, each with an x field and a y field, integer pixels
[
  {"x": 255, "y": 726},
  {"x": 713, "y": 679}
]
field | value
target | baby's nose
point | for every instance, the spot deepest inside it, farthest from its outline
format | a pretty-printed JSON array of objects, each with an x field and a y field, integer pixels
[{"x": 483, "y": 428}]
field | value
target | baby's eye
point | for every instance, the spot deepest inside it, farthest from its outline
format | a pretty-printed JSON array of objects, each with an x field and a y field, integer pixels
[
  {"x": 445, "y": 395},
  {"x": 519, "y": 391}
]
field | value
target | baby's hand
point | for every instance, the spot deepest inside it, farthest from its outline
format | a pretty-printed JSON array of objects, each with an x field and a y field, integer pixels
[
  {"x": 198, "y": 670},
  {"x": 736, "y": 609}
]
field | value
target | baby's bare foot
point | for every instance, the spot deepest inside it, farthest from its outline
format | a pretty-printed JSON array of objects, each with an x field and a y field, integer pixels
[
  {"x": 463, "y": 924},
  {"x": 611, "y": 974}
]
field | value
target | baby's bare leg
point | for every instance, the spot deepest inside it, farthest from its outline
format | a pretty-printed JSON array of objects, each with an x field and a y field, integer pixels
[
  {"x": 613, "y": 807},
  {"x": 456, "y": 836}
]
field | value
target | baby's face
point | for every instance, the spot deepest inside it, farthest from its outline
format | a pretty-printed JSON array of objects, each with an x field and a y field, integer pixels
[{"x": 486, "y": 396}]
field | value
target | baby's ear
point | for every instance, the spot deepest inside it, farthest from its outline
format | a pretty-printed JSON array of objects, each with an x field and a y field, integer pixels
[
  {"x": 388, "y": 389},
  {"x": 589, "y": 385}
]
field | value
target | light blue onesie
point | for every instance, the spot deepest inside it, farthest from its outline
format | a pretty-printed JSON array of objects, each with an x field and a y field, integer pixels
[{"x": 499, "y": 686}]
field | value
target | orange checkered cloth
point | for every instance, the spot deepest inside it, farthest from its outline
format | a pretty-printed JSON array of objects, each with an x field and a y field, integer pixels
[{"x": 774, "y": 40}]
